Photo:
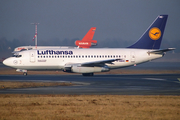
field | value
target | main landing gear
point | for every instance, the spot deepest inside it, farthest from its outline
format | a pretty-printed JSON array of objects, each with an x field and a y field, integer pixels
[{"x": 88, "y": 74}]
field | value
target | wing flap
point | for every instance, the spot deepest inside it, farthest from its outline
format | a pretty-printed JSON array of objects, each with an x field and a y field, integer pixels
[{"x": 98, "y": 63}]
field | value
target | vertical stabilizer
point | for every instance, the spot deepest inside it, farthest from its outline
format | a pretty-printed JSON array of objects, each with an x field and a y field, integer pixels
[
  {"x": 152, "y": 37},
  {"x": 87, "y": 40},
  {"x": 89, "y": 35}
]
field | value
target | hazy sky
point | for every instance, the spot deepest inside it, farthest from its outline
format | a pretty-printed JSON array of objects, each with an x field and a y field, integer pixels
[{"x": 114, "y": 19}]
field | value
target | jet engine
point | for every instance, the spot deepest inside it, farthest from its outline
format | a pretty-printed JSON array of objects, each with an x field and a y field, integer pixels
[{"x": 82, "y": 69}]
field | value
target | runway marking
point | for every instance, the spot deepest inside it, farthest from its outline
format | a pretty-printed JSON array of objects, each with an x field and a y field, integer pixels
[
  {"x": 61, "y": 81},
  {"x": 163, "y": 80},
  {"x": 155, "y": 79}
]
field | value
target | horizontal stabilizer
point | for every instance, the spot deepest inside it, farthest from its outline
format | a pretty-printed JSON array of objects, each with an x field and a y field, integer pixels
[{"x": 161, "y": 51}]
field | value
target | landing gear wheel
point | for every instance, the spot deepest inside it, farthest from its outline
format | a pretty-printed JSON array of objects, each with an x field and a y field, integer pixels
[
  {"x": 88, "y": 74},
  {"x": 25, "y": 73}
]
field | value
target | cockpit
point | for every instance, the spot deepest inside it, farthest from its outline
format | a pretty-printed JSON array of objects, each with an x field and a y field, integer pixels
[{"x": 17, "y": 55}]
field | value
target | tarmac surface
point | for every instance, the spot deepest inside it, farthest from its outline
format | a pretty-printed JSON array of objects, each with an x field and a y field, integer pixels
[{"x": 150, "y": 84}]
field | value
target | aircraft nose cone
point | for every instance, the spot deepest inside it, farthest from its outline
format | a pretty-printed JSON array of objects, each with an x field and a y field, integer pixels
[{"x": 7, "y": 62}]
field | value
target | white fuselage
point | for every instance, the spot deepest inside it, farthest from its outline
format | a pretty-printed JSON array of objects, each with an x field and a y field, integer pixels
[
  {"x": 57, "y": 59},
  {"x": 23, "y": 48}
]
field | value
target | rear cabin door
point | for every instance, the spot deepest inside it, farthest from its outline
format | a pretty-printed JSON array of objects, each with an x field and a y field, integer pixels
[{"x": 133, "y": 57}]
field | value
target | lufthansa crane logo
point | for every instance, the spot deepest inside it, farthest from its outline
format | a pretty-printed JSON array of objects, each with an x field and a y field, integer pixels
[
  {"x": 15, "y": 62},
  {"x": 154, "y": 33}
]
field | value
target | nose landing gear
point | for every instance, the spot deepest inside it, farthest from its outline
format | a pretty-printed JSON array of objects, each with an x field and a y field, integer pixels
[{"x": 24, "y": 71}]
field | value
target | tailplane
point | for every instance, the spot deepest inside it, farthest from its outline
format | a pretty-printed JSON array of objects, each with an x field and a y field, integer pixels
[{"x": 152, "y": 37}]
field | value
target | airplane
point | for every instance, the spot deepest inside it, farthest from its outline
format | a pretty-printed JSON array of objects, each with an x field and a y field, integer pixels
[
  {"x": 92, "y": 60},
  {"x": 86, "y": 42}
]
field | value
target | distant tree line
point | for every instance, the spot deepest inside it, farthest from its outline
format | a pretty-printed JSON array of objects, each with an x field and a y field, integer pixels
[{"x": 8, "y": 45}]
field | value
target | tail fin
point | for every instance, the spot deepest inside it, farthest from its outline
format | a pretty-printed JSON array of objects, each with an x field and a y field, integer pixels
[
  {"x": 87, "y": 40},
  {"x": 90, "y": 34},
  {"x": 152, "y": 37}
]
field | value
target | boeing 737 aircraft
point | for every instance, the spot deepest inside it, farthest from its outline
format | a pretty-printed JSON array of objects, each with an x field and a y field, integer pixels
[
  {"x": 89, "y": 61},
  {"x": 86, "y": 42}
]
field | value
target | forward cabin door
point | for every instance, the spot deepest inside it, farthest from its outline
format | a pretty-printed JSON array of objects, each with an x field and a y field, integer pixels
[
  {"x": 32, "y": 57},
  {"x": 133, "y": 57}
]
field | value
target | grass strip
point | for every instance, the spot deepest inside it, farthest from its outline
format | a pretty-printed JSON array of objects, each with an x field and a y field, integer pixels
[{"x": 89, "y": 107}]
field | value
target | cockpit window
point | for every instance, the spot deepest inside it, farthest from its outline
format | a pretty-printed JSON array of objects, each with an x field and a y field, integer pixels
[
  {"x": 17, "y": 56},
  {"x": 23, "y": 49}
]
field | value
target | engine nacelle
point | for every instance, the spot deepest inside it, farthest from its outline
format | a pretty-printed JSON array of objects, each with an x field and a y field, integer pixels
[{"x": 80, "y": 69}]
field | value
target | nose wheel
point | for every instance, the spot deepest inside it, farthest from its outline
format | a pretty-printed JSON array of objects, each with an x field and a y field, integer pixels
[{"x": 25, "y": 73}]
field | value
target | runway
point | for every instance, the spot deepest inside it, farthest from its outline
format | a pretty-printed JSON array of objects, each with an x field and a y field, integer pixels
[{"x": 155, "y": 84}]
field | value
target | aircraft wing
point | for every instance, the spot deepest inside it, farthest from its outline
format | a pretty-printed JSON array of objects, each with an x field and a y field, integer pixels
[
  {"x": 91, "y": 64},
  {"x": 98, "y": 63},
  {"x": 161, "y": 51}
]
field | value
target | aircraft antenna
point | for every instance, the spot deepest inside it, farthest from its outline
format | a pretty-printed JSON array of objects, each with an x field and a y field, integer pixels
[{"x": 35, "y": 36}]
